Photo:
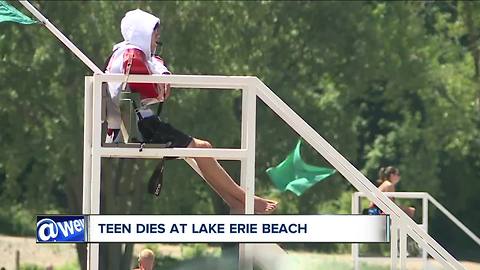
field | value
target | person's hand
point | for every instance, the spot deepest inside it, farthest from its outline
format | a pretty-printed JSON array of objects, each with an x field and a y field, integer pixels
[
  {"x": 164, "y": 90},
  {"x": 167, "y": 90}
]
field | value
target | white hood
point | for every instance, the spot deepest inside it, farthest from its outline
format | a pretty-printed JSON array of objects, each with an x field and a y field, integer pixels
[{"x": 137, "y": 28}]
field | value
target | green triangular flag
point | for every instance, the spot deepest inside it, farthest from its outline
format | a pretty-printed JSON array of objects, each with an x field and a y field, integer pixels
[
  {"x": 295, "y": 175},
  {"x": 10, "y": 14}
]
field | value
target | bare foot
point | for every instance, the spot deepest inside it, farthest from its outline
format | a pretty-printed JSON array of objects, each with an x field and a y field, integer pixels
[{"x": 264, "y": 206}]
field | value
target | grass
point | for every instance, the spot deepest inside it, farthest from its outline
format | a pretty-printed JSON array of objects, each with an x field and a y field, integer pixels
[
  {"x": 68, "y": 266},
  {"x": 217, "y": 263}
]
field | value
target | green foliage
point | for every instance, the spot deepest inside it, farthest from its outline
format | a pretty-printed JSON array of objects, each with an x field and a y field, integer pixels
[
  {"x": 17, "y": 220},
  {"x": 341, "y": 205},
  {"x": 196, "y": 250},
  {"x": 67, "y": 266},
  {"x": 213, "y": 263},
  {"x": 31, "y": 267},
  {"x": 194, "y": 256}
]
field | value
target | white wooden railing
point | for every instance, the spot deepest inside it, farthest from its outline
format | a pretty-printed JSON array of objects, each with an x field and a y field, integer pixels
[
  {"x": 396, "y": 234},
  {"x": 251, "y": 88}
]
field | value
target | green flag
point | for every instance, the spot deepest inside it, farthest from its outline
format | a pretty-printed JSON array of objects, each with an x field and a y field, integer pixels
[
  {"x": 10, "y": 14},
  {"x": 295, "y": 175}
]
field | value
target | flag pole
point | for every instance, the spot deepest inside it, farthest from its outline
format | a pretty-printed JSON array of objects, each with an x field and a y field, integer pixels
[{"x": 61, "y": 36}]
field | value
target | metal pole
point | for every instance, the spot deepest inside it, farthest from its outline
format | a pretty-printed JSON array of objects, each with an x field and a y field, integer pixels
[{"x": 61, "y": 36}]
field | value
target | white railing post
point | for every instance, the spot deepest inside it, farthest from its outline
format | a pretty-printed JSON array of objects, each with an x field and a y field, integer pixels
[
  {"x": 394, "y": 244},
  {"x": 247, "y": 178},
  {"x": 403, "y": 248},
  {"x": 426, "y": 198},
  {"x": 96, "y": 144},
  {"x": 87, "y": 158},
  {"x": 87, "y": 145},
  {"x": 96, "y": 126},
  {"x": 425, "y": 226},
  {"x": 355, "y": 247}
]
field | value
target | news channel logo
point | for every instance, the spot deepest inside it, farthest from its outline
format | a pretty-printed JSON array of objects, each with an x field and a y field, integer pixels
[{"x": 60, "y": 229}]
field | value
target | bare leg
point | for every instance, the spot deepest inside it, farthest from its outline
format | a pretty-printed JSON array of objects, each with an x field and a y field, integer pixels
[{"x": 224, "y": 185}]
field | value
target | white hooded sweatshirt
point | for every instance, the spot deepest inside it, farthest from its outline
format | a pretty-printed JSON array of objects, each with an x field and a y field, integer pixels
[{"x": 137, "y": 27}]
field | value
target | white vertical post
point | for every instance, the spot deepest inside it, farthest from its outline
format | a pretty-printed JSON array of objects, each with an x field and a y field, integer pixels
[
  {"x": 403, "y": 247},
  {"x": 87, "y": 155},
  {"x": 96, "y": 145},
  {"x": 247, "y": 178},
  {"x": 355, "y": 211},
  {"x": 425, "y": 226},
  {"x": 87, "y": 144},
  {"x": 394, "y": 243},
  {"x": 96, "y": 126}
]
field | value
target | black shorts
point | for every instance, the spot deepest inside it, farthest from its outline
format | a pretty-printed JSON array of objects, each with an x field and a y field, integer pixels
[{"x": 154, "y": 130}]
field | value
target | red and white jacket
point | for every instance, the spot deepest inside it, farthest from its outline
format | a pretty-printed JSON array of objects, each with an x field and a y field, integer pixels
[{"x": 133, "y": 56}]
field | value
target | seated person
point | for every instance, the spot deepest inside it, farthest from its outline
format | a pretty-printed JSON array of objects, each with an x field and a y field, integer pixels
[{"x": 135, "y": 55}]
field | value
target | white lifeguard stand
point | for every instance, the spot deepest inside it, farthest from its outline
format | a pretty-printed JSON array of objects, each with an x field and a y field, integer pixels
[
  {"x": 251, "y": 88},
  {"x": 94, "y": 151},
  {"x": 398, "y": 243}
]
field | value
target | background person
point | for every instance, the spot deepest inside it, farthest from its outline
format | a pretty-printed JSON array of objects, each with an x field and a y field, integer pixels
[
  {"x": 146, "y": 260},
  {"x": 388, "y": 178}
]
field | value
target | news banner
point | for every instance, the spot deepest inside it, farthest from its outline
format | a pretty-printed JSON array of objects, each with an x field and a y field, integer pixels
[{"x": 212, "y": 228}]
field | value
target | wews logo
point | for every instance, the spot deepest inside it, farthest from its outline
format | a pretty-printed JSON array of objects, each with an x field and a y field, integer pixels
[{"x": 60, "y": 229}]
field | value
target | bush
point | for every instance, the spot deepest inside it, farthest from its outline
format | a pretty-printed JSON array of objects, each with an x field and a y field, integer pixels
[
  {"x": 195, "y": 251},
  {"x": 15, "y": 220},
  {"x": 29, "y": 266}
]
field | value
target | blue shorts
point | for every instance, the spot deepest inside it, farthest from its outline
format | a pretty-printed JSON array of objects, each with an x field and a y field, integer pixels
[{"x": 375, "y": 211}]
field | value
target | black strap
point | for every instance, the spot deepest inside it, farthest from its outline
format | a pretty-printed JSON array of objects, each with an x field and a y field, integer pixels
[
  {"x": 135, "y": 107},
  {"x": 159, "y": 108}
]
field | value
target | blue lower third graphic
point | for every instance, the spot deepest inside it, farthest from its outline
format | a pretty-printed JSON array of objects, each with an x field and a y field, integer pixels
[{"x": 60, "y": 229}]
